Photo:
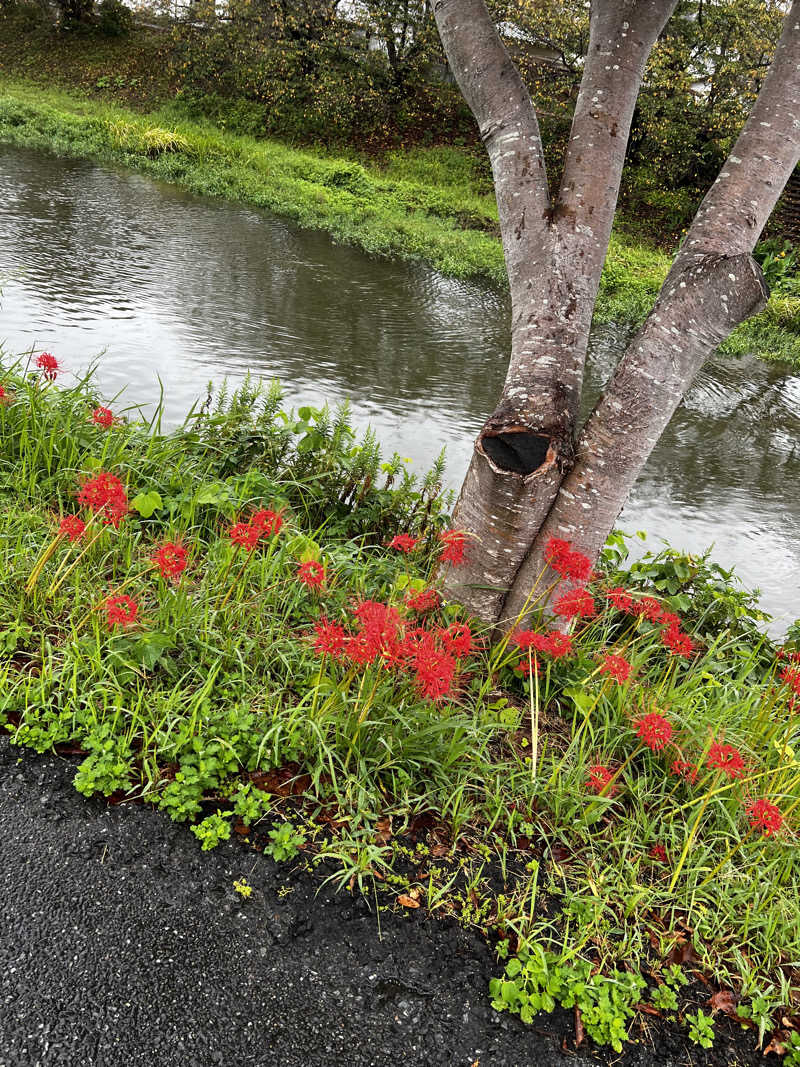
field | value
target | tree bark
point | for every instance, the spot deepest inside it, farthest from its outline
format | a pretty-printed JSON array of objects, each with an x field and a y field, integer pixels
[
  {"x": 554, "y": 253},
  {"x": 713, "y": 285}
]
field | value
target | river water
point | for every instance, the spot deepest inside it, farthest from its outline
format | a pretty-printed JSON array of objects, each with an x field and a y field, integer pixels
[{"x": 102, "y": 265}]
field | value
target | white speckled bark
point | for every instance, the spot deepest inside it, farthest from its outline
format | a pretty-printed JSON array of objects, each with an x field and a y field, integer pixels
[
  {"x": 713, "y": 285},
  {"x": 554, "y": 253}
]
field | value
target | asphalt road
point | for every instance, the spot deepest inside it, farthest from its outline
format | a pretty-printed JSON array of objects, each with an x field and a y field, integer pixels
[{"x": 123, "y": 944}]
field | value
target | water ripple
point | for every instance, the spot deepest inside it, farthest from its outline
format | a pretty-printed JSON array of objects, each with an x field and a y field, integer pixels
[{"x": 96, "y": 260}]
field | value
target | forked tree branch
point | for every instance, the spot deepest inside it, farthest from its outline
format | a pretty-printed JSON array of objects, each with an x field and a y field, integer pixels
[
  {"x": 621, "y": 36},
  {"x": 713, "y": 285},
  {"x": 495, "y": 93}
]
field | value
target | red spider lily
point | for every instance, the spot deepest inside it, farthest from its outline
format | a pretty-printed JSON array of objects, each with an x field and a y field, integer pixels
[
  {"x": 621, "y": 599},
  {"x": 49, "y": 365},
  {"x": 378, "y": 618},
  {"x": 311, "y": 574},
  {"x": 616, "y": 667},
  {"x": 105, "y": 494},
  {"x": 361, "y": 649},
  {"x": 526, "y": 639},
  {"x": 267, "y": 522},
  {"x": 791, "y": 676},
  {"x": 554, "y": 643},
  {"x": 245, "y": 535},
  {"x": 456, "y": 639},
  {"x": 379, "y": 636},
  {"x": 103, "y": 417},
  {"x": 577, "y": 602},
  {"x": 435, "y": 670},
  {"x": 600, "y": 780},
  {"x": 453, "y": 551},
  {"x": 658, "y": 853},
  {"x": 727, "y": 759},
  {"x": 73, "y": 527},
  {"x": 764, "y": 816},
  {"x": 559, "y": 645},
  {"x": 670, "y": 620},
  {"x": 648, "y": 608},
  {"x": 170, "y": 559},
  {"x": 566, "y": 562},
  {"x": 121, "y": 610},
  {"x": 426, "y": 600},
  {"x": 679, "y": 644},
  {"x": 5, "y": 398},
  {"x": 404, "y": 542},
  {"x": 654, "y": 731},
  {"x": 790, "y": 654},
  {"x": 330, "y": 638},
  {"x": 524, "y": 667},
  {"x": 681, "y": 769}
]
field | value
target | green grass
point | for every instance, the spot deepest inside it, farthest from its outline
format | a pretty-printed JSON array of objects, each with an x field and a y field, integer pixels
[
  {"x": 425, "y": 205},
  {"x": 215, "y": 697}
]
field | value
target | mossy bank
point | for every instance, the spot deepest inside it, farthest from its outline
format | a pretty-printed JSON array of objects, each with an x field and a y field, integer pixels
[{"x": 427, "y": 205}]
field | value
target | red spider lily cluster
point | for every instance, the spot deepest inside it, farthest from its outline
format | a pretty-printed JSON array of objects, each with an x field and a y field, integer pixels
[
  {"x": 652, "y": 610},
  {"x": 681, "y": 768},
  {"x": 72, "y": 527},
  {"x": 121, "y": 610},
  {"x": 170, "y": 559},
  {"x": 790, "y": 676},
  {"x": 577, "y": 603},
  {"x": 424, "y": 601},
  {"x": 764, "y": 816},
  {"x": 654, "y": 731},
  {"x": 103, "y": 417},
  {"x": 311, "y": 574},
  {"x": 727, "y": 759},
  {"x": 567, "y": 562},
  {"x": 658, "y": 853},
  {"x": 48, "y": 365},
  {"x": 573, "y": 566},
  {"x": 261, "y": 525},
  {"x": 616, "y": 667},
  {"x": 404, "y": 542},
  {"x": 600, "y": 779},
  {"x": 453, "y": 545},
  {"x": 553, "y": 644},
  {"x": 381, "y": 635},
  {"x": 105, "y": 495}
]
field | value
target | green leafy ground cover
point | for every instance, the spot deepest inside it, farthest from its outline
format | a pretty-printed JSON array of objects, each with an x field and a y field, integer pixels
[
  {"x": 220, "y": 622},
  {"x": 428, "y": 205}
]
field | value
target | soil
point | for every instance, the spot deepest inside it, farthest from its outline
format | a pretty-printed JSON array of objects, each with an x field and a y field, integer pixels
[{"x": 124, "y": 945}]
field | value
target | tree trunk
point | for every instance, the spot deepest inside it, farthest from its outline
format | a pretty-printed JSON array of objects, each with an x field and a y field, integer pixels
[
  {"x": 524, "y": 483},
  {"x": 713, "y": 285},
  {"x": 554, "y": 254}
]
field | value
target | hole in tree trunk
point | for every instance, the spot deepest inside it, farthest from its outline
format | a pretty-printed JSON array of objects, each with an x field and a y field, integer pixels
[{"x": 519, "y": 452}]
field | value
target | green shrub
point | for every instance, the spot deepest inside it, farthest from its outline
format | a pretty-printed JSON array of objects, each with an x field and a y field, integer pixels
[{"x": 114, "y": 19}]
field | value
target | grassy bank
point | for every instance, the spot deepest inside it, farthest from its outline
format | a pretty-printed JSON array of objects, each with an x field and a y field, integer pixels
[
  {"x": 426, "y": 205},
  {"x": 222, "y": 622}
]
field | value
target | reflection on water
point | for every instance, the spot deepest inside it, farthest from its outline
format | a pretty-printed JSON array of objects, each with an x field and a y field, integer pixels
[{"x": 162, "y": 285}]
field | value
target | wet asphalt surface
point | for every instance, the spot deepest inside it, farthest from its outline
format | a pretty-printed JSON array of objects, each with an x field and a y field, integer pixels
[{"x": 123, "y": 944}]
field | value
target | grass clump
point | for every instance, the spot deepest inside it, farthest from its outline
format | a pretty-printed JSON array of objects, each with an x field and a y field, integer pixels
[
  {"x": 238, "y": 623},
  {"x": 433, "y": 205}
]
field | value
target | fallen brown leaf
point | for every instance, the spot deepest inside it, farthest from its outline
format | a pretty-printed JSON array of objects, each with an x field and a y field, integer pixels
[
  {"x": 778, "y": 1043},
  {"x": 407, "y": 901},
  {"x": 724, "y": 1000},
  {"x": 383, "y": 831}
]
